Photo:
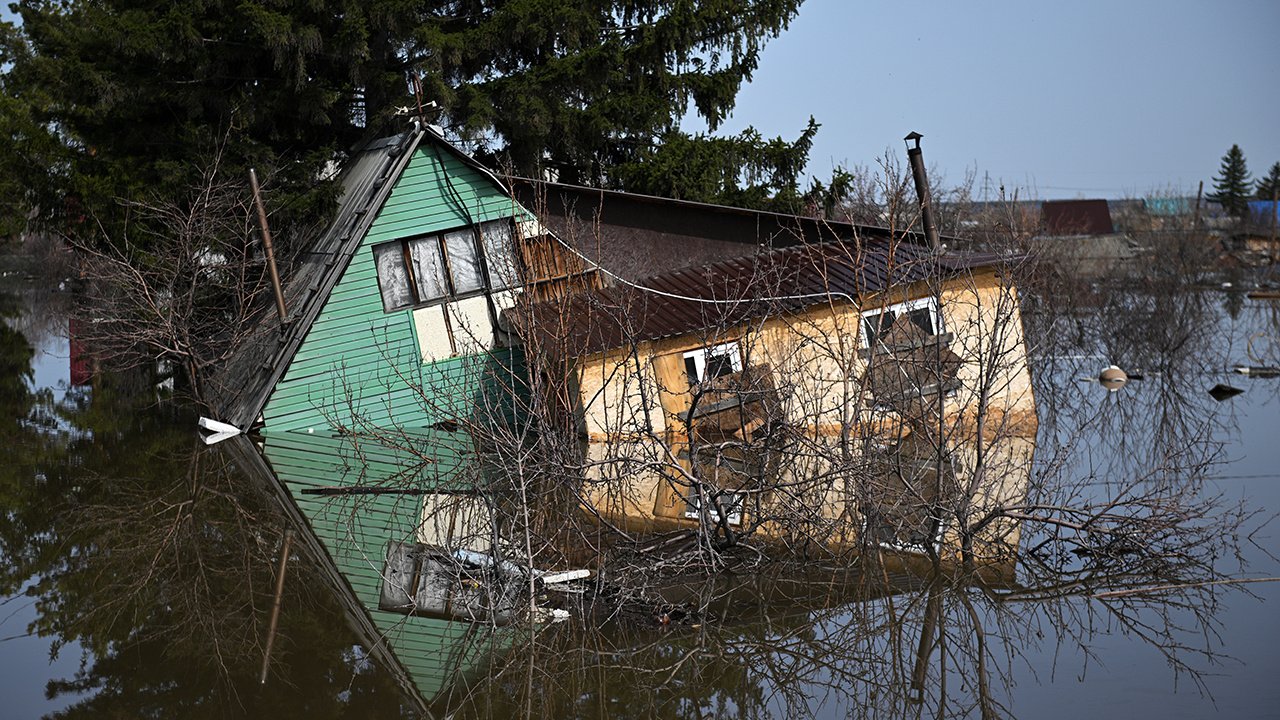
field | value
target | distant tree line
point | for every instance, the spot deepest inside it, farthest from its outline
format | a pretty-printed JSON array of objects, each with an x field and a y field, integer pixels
[{"x": 1234, "y": 187}]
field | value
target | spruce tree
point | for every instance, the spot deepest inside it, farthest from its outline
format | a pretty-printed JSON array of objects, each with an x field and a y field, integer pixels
[
  {"x": 128, "y": 97},
  {"x": 1269, "y": 184},
  {"x": 1231, "y": 186}
]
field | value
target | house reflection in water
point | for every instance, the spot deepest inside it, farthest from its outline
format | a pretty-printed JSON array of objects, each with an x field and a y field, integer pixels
[{"x": 396, "y": 560}]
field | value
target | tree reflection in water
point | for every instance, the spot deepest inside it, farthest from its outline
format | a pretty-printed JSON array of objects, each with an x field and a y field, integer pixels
[{"x": 158, "y": 558}]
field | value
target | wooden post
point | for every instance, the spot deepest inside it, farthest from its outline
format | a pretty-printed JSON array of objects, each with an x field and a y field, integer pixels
[
  {"x": 275, "y": 607},
  {"x": 1196, "y": 220},
  {"x": 929, "y": 628},
  {"x": 1274, "y": 257},
  {"x": 266, "y": 244}
]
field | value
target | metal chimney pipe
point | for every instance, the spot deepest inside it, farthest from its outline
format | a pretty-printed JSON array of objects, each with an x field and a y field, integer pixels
[{"x": 916, "y": 157}]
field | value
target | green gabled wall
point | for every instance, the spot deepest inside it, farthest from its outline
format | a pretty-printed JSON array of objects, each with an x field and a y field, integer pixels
[
  {"x": 357, "y": 358},
  {"x": 355, "y": 530}
]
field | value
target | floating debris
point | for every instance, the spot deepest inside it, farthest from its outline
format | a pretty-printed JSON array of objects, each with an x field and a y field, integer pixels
[
  {"x": 1257, "y": 371},
  {"x": 1113, "y": 378},
  {"x": 1221, "y": 392}
]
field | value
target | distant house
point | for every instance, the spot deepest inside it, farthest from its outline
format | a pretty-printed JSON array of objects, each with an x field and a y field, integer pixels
[
  {"x": 1167, "y": 207},
  {"x": 1076, "y": 217},
  {"x": 1081, "y": 234}
]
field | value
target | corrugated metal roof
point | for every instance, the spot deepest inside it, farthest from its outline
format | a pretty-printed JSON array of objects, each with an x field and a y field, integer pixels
[
  {"x": 639, "y": 236},
  {"x": 732, "y": 291}
]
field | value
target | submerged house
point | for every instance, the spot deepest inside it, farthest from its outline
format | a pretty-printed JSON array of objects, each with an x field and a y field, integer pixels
[
  {"x": 713, "y": 362},
  {"x": 826, "y": 393},
  {"x": 1080, "y": 234}
]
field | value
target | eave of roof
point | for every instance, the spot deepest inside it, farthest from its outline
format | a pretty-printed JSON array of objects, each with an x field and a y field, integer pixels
[{"x": 733, "y": 291}]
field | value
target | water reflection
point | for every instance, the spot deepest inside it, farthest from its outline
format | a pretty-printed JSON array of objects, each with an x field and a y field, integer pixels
[
  {"x": 355, "y": 538},
  {"x": 158, "y": 557}
]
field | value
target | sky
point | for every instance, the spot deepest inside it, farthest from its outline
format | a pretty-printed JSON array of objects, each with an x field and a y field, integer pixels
[{"x": 1060, "y": 99}]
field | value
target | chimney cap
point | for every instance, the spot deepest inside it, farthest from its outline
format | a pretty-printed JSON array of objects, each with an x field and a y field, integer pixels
[{"x": 913, "y": 135}]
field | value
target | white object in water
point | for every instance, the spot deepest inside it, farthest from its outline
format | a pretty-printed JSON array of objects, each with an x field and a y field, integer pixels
[
  {"x": 221, "y": 431},
  {"x": 563, "y": 577},
  {"x": 1113, "y": 378}
]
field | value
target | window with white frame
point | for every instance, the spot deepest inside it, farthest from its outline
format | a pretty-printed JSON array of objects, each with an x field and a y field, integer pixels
[
  {"x": 453, "y": 264},
  {"x": 879, "y": 322},
  {"x": 730, "y": 501},
  {"x": 709, "y": 363}
]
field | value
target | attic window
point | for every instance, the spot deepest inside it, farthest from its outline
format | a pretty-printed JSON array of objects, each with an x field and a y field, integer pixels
[
  {"x": 878, "y": 323},
  {"x": 709, "y": 363},
  {"x": 453, "y": 264},
  {"x": 499, "y": 255}
]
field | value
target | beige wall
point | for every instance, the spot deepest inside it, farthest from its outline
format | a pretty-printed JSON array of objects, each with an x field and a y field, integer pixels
[{"x": 630, "y": 401}]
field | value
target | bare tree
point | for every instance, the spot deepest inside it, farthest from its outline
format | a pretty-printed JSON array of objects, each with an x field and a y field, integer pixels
[{"x": 182, "y": 288}]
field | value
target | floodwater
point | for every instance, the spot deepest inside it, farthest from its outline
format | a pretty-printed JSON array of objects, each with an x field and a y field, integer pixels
[{"x": 137, "y": 570}]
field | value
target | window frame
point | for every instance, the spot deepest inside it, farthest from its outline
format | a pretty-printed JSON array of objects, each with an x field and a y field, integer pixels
[
  {"x": 738, "y": 503},
  {"x": 701, "y": 355},
  {"x": 440, "y": 238},
  {"x": 904, "y": 307},
  {"x": 907, "y": 546}
]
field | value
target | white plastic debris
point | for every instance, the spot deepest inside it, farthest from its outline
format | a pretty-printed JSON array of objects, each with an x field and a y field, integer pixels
[
  {"x": 563, "y": 577},
  {"x": 220, "y": 430}
]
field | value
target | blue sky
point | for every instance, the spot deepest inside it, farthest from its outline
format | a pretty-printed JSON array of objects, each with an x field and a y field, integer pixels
[{"x": 1067, "y": 99}]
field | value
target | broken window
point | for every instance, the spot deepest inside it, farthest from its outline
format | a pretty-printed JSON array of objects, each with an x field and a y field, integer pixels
[
  {"x": 731, "y": 502},
  {"x": 908, "y": 318},
  {"x": 709, "y": 363},
  {"x": 435, "y": 267}
]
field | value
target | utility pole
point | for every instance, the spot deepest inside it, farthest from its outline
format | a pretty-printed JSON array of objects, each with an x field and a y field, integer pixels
[{"x": 1196, "y": 219}]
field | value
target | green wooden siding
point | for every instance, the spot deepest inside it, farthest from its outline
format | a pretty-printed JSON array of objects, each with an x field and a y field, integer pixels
[
  {"x": 355, "y": 531},
  {"x": 359, "y": 366},
  {"x": 359, "y": 362}
]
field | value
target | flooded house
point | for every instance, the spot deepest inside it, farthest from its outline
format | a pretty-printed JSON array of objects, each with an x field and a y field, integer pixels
[
  {"x": 713, "y": 362},
  {"x": 828, "y": 393},
  {"x": 1081, "y": 235}
]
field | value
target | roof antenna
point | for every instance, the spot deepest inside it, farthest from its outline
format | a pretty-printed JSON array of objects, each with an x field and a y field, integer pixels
[
  {"x": 916, "y": 157},
  {"x": 422, "y": 109}
]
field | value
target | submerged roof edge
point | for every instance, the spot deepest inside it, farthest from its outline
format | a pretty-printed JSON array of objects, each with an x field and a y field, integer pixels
[{"x": 251, "y": 461}]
